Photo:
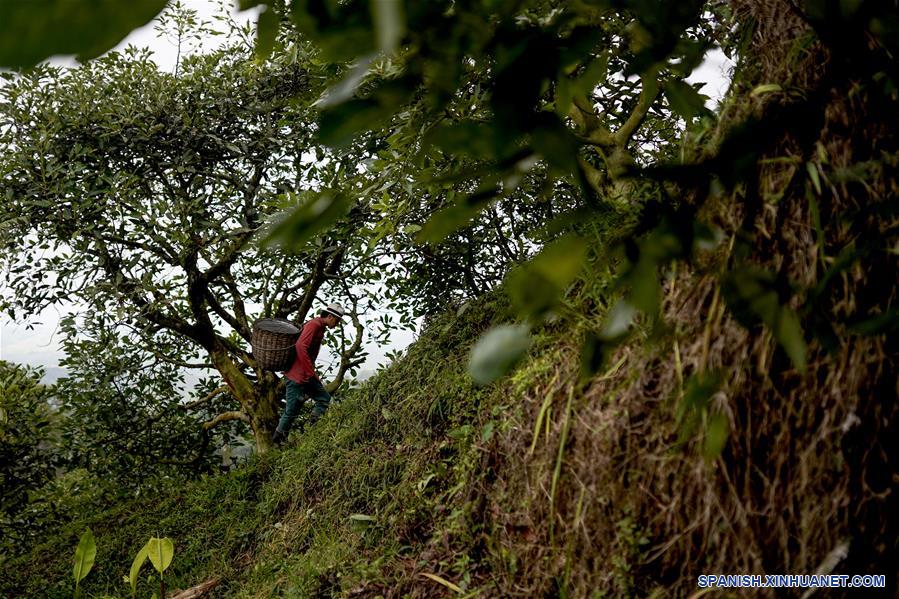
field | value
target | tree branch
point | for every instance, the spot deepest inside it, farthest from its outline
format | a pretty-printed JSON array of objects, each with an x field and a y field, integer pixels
[
  {"x": 589, "y": 125},
  {"x": 251, "y": 221},
  {"x": 346, "y": 356},
  {"x": 283, "y": 305},
  {"x": 596, "y": 178},
  {"x": 180, "y": 363},
  {"x": 226, "y": 417},
  {"x": 129, "y": 287},
  {"x": 328, "y": 268},
  {"x": 242, "y": 330},
  {"x": 205, "y": 399},
  {"x": 648, "y": 94},
  {"x": 236, "y": 300}
]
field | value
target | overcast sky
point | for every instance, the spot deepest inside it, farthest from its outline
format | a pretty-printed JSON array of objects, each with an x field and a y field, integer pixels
[{"x": 40, "y": 345}]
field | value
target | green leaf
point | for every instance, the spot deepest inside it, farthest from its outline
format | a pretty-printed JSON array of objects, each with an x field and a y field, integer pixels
[
  {"x": 645, "y": 287},
  {"x": 341, "y": 30},
  {"x": 618, "y": 321},
  {"x": 556, "y": 144},
  {"x": 788, "y": 332},
  {"x": 85, "y": 554},
  {"x": 160, "y": 552},
  {"x": 584, "y": 84},
  {"x": 346, "y": 88},
  {"x": 699, "y": 390},
  {"x": 423, "y": 483},
  {"x": 752, "y": 297},
  {"x": 468, "y": 138},
  {"x": 684, "y": 99},
  {"x": 564, "y": 96},
  {"x": 595, "y": 72},
  {"x": 454, "y": 217},
  {"x": 361, "y": 518},
  {"x": 139, "y": 560},
  {"x": 389, "y": 23},
  {"x": 536, "y": 286},
  {"x": 316, "y": 212},
  {"x": 813, "y": 175},
  {"x": 487, "y": 433},
  {"x": 361, "y": 521},
  {"x": 886, "y": 322},
  {"x": 593, "y": 354},
  {"x": 462, "y": 432},
  {"x": 266, "y": 32},
  {"x": 715, "y": 437},
  {"x": 32, "y": 31},
  {"x": 765, "y": 88},
  {"x": 497, "y": 352},
  {"x": 338, "y": 125}
]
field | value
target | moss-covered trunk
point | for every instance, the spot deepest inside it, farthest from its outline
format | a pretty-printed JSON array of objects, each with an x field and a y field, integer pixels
[
  {"x": 258, "y": 401},
  {"x": 264, "y": 412}
]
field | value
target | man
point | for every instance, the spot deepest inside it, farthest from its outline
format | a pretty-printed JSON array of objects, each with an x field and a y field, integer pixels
[{"x": 301, "y": 377}]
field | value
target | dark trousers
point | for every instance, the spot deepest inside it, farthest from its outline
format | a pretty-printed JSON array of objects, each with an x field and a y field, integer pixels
[{"x": 296, "y": 394}]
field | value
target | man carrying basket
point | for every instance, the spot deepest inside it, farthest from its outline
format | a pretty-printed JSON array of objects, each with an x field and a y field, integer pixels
[{"x": 302, "y": 380}]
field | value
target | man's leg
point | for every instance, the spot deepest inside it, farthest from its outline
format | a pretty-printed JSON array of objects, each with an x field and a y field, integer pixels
[
  {"x": 314, "y": 389},
  {"x": 294, "y": 396}
]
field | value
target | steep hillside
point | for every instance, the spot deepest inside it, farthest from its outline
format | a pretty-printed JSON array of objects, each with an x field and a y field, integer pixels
[
  {"x": 387, "y": 495},
  {"x": 739, "y": 417},
  {"x": 361, "y": 493},
  {"x": 550, "y": 482}
]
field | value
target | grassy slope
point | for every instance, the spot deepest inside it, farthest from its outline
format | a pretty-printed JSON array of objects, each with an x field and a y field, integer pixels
[
  {"x": 543, "y": 484},
  {"x": 418, "y": 449},
  {"x": 398, "y": 450}
]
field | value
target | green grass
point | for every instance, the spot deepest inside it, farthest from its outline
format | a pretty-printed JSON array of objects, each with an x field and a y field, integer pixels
[
  {"x": 293, "y": 522},
  {"x": 384, "y": 490}
]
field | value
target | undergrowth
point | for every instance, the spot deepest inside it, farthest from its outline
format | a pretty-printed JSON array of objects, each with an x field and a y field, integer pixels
[
  {"x": 382, "y": 497},
  {"x": 362, "y": 488}
]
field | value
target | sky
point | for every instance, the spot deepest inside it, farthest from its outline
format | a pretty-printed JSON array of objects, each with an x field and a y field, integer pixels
[{"x": 36, "y": 341}]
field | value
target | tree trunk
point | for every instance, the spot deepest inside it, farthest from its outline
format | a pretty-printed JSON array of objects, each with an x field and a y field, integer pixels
[
  {"x": 257, "y": 402},
  {"x": 264, "y": 413}
]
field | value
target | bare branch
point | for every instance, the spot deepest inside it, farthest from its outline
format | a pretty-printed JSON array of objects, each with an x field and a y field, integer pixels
[
  {"x": 205, "y": 399},
  {"x": 648, "y": 95},
  {"x": 236, "y": 300},
  {"x": 589, "y": 125},
  {"x": 241, "y": 328},
  {"x": 346, "y": 356},
  {"x": 226, "y": 417}
]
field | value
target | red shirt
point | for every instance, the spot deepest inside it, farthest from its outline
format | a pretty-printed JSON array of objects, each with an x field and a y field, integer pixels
[{"x": 308, "y": 344}]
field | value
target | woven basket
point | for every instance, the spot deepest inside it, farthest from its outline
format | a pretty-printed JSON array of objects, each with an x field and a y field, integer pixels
[{"x": 274, "y": 343}]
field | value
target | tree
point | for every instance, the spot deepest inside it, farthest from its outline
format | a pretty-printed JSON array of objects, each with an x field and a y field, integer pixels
[
  {"x": 124, "y": 414},
  {"x": 499, "y": 118},
  {"x": 500, "y": 93},
  {"x": 27, "y": 437},
  {"x": 142, "y": 196}
]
